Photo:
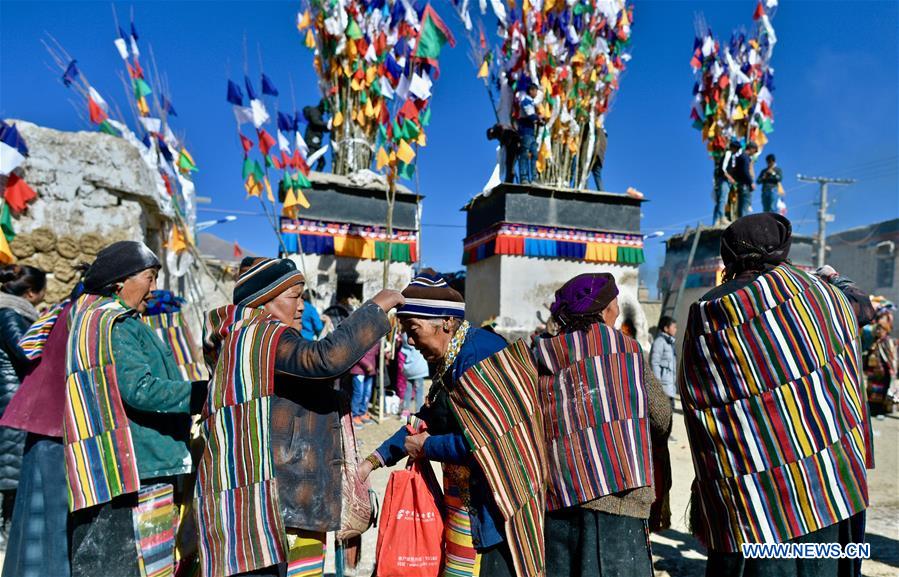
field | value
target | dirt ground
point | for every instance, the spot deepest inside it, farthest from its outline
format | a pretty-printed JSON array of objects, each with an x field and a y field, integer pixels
[{"x": 675, "y": 552}]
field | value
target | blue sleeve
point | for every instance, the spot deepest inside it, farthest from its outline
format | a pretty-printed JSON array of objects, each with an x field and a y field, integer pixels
[
  {"x": 449, "y": 448},
  {"x": 317, "y": 324},
  {"x": 393, "y": 450}
]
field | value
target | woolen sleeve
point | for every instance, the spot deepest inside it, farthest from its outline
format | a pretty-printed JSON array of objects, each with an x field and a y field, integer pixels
[
  {"x": 140, "y": 388},
  {"x": 659, "y": 406},
  {"x": 12, "y": 327},
  {"x": 335, "y": 354}
]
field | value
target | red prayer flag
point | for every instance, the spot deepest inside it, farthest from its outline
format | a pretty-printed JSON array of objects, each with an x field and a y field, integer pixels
[
  {"x": 746, "y": 91},
  {"x": 266, "y": 142},
  {"x": 246, "y": 143},
  {"x": 238, "y": 252},
  {"x": 18, "y": 194},
  {"x": 97, "y": 114},
  {"x": 759, "y": 11}
]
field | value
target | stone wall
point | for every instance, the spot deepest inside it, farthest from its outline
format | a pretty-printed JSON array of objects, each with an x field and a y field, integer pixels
[{"x": 93, "y": 189}]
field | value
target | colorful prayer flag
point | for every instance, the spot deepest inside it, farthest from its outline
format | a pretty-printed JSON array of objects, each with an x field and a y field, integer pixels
[
  {"x": 434, "y": 34},
  {"x": 18, "y": 194}
]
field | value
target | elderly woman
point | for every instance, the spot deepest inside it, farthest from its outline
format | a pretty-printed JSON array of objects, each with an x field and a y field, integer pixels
[
  {"x": 773, "y": 401},
  {"x": 433, "y": 319},
  {"x": 600, "y": 473},
  {"x": 269, "y": 485},
  {"x": 127, "y": 421}
]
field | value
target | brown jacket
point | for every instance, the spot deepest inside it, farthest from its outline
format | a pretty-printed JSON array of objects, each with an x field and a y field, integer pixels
[{"x": 306, "y": 412}]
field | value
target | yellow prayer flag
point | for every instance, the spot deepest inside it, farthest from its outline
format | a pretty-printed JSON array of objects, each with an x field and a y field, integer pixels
[
  {"x": 310, "y": 39},
  {"x": 422, "y": 141},
  {"x": 624, "y": 20},
  {"x": 738, "y": 113},
  {"x": 404, "y": 152},
  {"x": 382, "y": 159},
  {"x": 338, "y": 119},
  {"x": 355, "y": 85},
  {"x": 142, "y": 106},
  {"x": 377, "y": 110},
  {"x": 484, "y": 71},
  {"x": 371, "y": 73},
  {"x": 253, "y": 187},
  {"x": 176, "y": 241},
  {"x": 290, "y": 199},
  {"x": 305, "y": 21},
  {"x": 369, "y": 109},
  {"x": 6, "y": 255},
  {"x": 268, "y": 189},
  {"x": 301, "y": 199}
]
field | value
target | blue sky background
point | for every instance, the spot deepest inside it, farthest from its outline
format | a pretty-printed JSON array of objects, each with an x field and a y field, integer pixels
[{"x": 835, "y": 104}]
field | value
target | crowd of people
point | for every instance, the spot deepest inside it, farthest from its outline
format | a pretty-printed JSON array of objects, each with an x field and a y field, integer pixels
[{"x": 119, "y": 461}]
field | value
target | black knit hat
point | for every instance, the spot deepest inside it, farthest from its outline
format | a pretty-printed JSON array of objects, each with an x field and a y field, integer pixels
[
  {"x": 117, "y": 262},
  {"x": 262, "y": 279}
]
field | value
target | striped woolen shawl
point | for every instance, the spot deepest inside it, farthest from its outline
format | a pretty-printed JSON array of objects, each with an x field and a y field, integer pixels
[
  {"x": 774, "y": 406},
  {"x": 595, "y": 415},
  {"x": 99, "y": 454},
  {"x": 238, "y": 513}
]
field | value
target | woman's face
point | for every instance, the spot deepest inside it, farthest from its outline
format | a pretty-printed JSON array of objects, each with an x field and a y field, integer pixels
[
  {"x": 35, "y": 298},
  {"x": 288, "y": 307},
  {"x": 430, "y": 336},
  {"x": 136, "y": 289}
]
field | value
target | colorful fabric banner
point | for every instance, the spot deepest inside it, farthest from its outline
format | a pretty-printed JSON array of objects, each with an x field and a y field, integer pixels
[
  {"x": 99, "y": 453},
  {"x": 498, "y": 406},
  {"x": 775, "y": 411},
  {"x": 342, "y": 239},
  {"x": 595, "y": 415},
  {"x": 552, "y": 242}
]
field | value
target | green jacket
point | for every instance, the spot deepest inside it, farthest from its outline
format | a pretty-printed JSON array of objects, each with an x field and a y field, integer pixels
[{"x": 155, "y": 397}]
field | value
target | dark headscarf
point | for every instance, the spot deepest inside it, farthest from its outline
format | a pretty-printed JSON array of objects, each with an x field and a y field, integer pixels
[
  {"x": 117, "y": 262},
  {"x": 756, "y": 242},
  {"x": 583, "y": 297}
]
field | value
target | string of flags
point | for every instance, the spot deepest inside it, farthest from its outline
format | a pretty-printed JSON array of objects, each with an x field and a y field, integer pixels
[
  {"x": 733, "y": 92},
  {"x": 16, "y": 192},
  {"x": 286, "y": 152},
  {"x": 575, "y": 52},
  {"x": 152, "y": 136},
  {"x": 376, "y": 62}
]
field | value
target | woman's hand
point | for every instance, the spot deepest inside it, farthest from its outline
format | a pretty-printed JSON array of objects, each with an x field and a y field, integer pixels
[
  {"x": 363, "y": 470},
  {"x": 415, "y": 445}
]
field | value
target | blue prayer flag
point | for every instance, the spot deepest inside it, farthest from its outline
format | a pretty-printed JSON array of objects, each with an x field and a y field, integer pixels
[
  {"x": 235, "y": 96},
  {"x": 268, "y": 87},
  {"x": 71, "y": 73}
]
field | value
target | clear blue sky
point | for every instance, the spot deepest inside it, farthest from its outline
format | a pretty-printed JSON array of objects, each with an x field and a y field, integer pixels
[{"x": 835, "y": 104}]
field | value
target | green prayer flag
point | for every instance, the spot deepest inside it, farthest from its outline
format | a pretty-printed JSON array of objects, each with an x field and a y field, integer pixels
[
  {"x": 406, "y": 170},
  {"x": 258, "y": 173},
  {"x": 434, "y": 34},
  {"x": 108, "y": 128},
  {"x": 141, "y": 88},
  {"x": 353, "y": 31},
  {"x": 410, "y": 129},
  {"x": 425, "y": 117},
  {"x": 6, "y": 222},
  {"x": 767, "y": 126},
  {"x": 301, "y": 181},
  {"x": 247, "y": 168},
  {"x": 185, "y": 162}
]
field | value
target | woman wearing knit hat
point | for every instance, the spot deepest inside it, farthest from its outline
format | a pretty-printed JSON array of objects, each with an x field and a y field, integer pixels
[
  {"x": 434, "y": 320},
  {"x": 600, "y": 487},
  {"x": 274, "y": 412},
  {"x": 127, "y": 421}
]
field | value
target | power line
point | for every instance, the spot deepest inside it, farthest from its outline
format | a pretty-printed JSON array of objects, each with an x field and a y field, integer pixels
[{"x": 823, "y": 216}]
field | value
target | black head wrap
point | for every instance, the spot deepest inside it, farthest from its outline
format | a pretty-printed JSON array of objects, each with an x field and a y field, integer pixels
[
  {"x": 117, "y": 262},
  {"x": 756, "y": 242}
]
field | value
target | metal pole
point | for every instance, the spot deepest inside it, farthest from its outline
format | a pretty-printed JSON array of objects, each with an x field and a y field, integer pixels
[
  {"x": 822, "y": 225},
  {"x": 683, "y": 280},
  {"x": 823, "y": 216}
]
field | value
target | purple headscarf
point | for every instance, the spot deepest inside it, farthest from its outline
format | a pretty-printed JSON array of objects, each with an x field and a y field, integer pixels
[{"x": 585, "y": 294}]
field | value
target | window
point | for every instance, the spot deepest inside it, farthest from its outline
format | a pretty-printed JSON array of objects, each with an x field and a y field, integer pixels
[{"x": 886, "y": 264}]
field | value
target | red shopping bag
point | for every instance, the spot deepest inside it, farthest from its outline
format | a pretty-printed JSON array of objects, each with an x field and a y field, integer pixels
[{"x": 410, "y": 537}]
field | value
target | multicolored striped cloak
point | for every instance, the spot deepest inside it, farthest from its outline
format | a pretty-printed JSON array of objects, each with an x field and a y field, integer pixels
[
  {"x": 774, "y": 405},
  {"x": 595, "y": 415},
  {"x": 497, "y": 404},
  {"x": 238, "y": 513},
  {"x": 100, "y": 459},
  {"x": 172, "y": 330}
]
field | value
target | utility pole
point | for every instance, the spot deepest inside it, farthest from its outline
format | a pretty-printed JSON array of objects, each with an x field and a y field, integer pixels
[{"x": 823, "y": 216}]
